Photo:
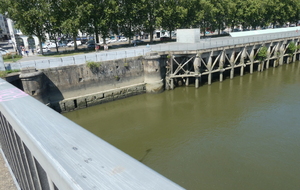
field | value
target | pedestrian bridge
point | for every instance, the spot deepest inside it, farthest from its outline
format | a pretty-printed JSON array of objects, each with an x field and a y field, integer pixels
[{"x": 46, "y": 151}]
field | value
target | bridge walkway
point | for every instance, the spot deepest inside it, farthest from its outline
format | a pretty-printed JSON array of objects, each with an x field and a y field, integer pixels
[{"x": 6, "y": 179}]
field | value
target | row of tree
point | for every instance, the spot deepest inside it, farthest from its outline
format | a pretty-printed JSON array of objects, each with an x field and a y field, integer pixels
[{"x": 127, "y": 17}]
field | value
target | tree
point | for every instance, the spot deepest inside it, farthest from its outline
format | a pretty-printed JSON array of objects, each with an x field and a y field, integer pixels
[
  {"x": 29, "y": 17},
  {"x": 99, "y": 17},
  {"x": 130, "y": 16},
  {"x": 205, "y": 15},
  {"x": 171, "y": 15},
  {"x": 222, "y": 10},
  {"x": 71, "y": 12},
  {"x": 151, "y": 12},
  {"x": 54, "y": 21}
]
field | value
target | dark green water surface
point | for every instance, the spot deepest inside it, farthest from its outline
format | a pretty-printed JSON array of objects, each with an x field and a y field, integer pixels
[{"x": 239, "y": 134}]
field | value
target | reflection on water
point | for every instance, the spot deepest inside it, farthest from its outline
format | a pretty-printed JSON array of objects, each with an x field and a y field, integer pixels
[{"x": 237, "y": 134}]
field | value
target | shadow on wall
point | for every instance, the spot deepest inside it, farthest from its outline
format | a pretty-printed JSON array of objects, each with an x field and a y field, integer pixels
[{"x": 53, "y": 94}]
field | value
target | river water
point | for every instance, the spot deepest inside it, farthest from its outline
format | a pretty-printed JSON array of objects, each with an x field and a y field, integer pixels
[{"x": 239, "y": 134}]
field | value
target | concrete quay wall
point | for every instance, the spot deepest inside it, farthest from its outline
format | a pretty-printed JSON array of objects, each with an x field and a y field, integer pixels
[{"x": 73, "y": 87}]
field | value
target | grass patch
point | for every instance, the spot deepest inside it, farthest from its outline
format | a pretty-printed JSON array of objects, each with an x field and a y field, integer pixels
[
  {"x": 5, "y": 73},
  {"x": 11, "y": 57},
  {"x": 68, "y": 53},
  {"x": 93, "y": 66}
]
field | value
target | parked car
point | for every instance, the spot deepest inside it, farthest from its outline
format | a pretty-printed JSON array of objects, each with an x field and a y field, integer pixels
[
  {"x": 163, "y": 39},
  {"x": 45, "y": 50},
  {"x": 84, "y": 41},
  {"x": 236, "y": 30},
  {"x": 90, "y": 42},
  {"x": 4, "y": 51},
  {"x": 112, "y": 40},
  {"x": 62, "y": 44},
  {"x": 122, "y": 39},
  {"x": 71, "y": 43},
  {"x": 135, "y": 42},
  {"x": 52, "y": 45},
  {"x": 91, "y": 46}
]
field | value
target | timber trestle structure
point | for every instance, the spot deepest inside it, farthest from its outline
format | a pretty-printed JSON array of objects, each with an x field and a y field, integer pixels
[{"x": 185, "y": 67}]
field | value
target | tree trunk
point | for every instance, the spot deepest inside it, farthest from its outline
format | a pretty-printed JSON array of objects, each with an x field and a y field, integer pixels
[
  {"x": 151, "y": 37},
  {"x": 75, "y": 43},
  {"x": 151, "y": 34},
  {"x": 97, "y": 35},
  {"x": 41, "y": 46},
  {"x": 55, "y": 40}
]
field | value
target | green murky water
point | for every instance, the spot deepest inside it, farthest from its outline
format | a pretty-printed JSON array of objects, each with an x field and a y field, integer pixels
[{"x": 239, "y": 134}]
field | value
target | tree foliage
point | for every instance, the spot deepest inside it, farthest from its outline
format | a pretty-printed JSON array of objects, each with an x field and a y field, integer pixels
[
  {"x": 129, "y": 17},
  {"x": 29, "y": 17}
]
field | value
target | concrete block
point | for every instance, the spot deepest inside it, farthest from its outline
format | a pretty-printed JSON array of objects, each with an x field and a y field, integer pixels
[
  {"x": 56, "y": 62},
  {"x": 91, "y": 57},
  {"x": 101, "y": 57},
  {"x": 67, "y": 61},
  {"x": 188, "y": 35},
  {"x": 42, "y": 64},
  {"x": 27, "y": 64},
  {"x": 110, "y": 56},
  {"x": 13, "y": 66},
  {"x": 120, "y": 54},
  {"x": 79, "y": 59}
]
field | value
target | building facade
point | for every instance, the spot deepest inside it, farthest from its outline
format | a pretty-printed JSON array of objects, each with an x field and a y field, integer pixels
[
  {"x": 4, "y": 32},
  {"x": 18, "y": 39}
]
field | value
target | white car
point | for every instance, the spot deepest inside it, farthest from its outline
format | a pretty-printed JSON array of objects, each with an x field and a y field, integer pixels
[
  {"x": 3, "y": 51},
  {"x": 122, "y": 39},
  {"x": 71, "y": 43},
  {"x": 45, "y": 50},
  {"x": 52, "y": 45},
  {"x": 113, "y": 40}
]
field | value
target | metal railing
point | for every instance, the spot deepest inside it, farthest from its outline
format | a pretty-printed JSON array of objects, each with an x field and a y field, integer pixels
[
  {"x": 77, "y": 59},
  {"x": 47, "y": 151}
]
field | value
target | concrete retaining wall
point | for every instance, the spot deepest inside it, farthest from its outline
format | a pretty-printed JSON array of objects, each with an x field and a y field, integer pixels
[
  {"x": 72, "y": 87},
  {"x": 78, "y": 86}
]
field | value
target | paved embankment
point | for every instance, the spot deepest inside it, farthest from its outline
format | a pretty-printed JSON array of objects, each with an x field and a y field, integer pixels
[{"x": 6, "y": 180}]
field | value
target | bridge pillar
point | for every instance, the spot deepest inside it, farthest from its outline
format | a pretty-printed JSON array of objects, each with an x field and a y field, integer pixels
[
  {"x": 221, "y": 75},
  {"x": 281, "y": 50},
  {"x": 232, "y": 62},
  {"x": 187, "y": 81},
  {"x": 197, "y": 82},
  {"x": 242, "y": 70},
  {"x": 242, "y": 61},
  {"x": 221, "y": 65},
  {"x": 197, "y": 65},
  {"x": 251, "y": 57},
  {"x": 153, "y": 74},
  {"x": 33, "y": 83},
  {"x": 268, "y": 55},
  {"x": 295, "y": 53},
  {"x": 209, "y": 67},
  {"x": 277, "y": 53}
]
